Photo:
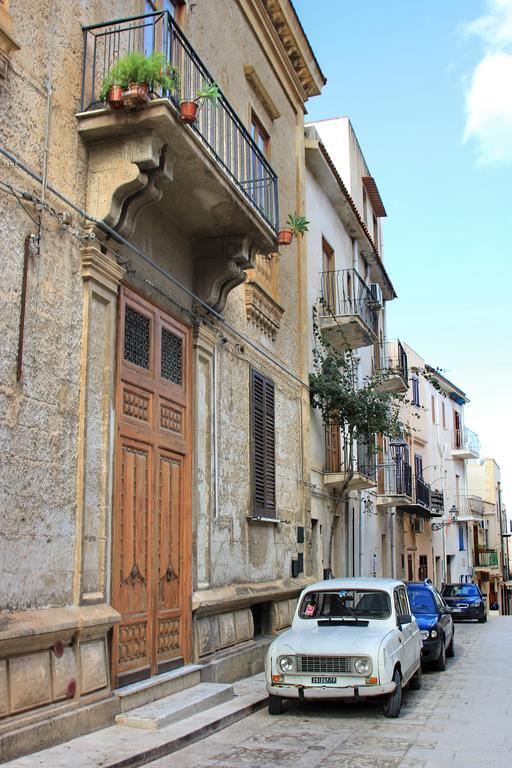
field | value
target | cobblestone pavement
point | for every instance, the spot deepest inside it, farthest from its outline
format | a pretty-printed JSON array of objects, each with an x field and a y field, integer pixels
[{"x": 461, "y": 717}]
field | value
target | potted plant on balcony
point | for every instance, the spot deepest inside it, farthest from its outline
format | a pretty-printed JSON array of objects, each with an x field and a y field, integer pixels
[
  {"x": 137, "y": 74},
  {"x": 295, "y": 225},
  {"x": 189, "y": 107}
]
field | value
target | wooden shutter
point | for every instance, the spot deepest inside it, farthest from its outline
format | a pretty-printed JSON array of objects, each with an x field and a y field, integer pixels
[{"x": 263, "y": 445}]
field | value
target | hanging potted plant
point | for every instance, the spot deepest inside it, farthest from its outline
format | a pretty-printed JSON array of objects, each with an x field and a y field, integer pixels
[
  {"x": 295, "y": 225},
  {"x": 138, "y": 75},
  {"x": 189, "y": 107}
]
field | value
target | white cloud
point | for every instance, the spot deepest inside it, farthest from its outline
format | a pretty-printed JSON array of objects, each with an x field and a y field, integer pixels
[{"x": 489, "y": 95}]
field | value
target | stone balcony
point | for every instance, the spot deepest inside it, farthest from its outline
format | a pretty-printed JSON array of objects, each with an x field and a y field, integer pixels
[{"x": 210, "y": 179}]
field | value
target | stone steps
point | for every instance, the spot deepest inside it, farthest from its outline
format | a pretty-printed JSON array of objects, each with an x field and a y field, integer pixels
[
  {"x": 158, "y": 687},
  {"x": 121, "y": 747},
  {"x": 171, "y": 709}
]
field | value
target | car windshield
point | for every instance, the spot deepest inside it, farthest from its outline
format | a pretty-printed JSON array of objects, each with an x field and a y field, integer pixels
[
  {"x": 346, "y": 604},
  {"x": 460, "y": 590},
  {"x": 422, "y": 601}
]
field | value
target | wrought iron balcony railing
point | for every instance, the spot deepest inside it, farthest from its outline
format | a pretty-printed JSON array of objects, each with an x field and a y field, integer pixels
[
  {"x": 398, "y": 478},
  {"x": 422, "y": 492},
  {"x": 218, "y": 126},
  {"x": 393, "y": 358},
  {"x": 345, "y": 293},
  {"x": 466, "y": 440}
]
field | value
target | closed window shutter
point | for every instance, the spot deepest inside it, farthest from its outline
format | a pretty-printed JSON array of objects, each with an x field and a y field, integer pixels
[{"x": 263, "y": 450}]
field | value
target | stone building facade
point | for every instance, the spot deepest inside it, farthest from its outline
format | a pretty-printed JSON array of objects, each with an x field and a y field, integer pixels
[{"x": 154, "y": 509}]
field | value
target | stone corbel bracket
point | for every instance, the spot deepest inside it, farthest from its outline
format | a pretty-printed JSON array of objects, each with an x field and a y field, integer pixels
[
  {"x": 120, "y": 170},
  {"x": 219, "y": 267}
]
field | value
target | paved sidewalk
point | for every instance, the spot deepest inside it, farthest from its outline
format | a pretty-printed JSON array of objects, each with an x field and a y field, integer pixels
[{"x": 460, "y": 718}]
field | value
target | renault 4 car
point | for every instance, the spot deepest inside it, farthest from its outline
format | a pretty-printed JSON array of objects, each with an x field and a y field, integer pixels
[
  {"x": 466, "y": 601},
  {"x": 350, "y": 638},
  {"x": 435, "y": 622}
]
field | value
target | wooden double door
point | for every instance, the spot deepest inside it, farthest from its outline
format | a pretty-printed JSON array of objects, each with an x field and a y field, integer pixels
[{"x": 151, "y": 576}]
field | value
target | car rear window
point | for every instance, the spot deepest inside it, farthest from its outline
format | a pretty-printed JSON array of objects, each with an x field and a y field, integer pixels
[
  {"x": 346, "y": 603},
  {"x": 422, "y": 600},
  {"x": 460, "y": 590}
]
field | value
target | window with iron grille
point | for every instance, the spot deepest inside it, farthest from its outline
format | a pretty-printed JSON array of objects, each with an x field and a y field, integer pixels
[
  {"x": 263, "y": 445},
  {"x": 137, "y": 328}
]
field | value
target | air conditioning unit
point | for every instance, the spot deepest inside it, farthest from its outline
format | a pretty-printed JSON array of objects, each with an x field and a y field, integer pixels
[{"x": 376, "y": 292}]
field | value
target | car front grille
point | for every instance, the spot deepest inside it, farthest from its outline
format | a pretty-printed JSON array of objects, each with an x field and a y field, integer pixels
[{"x": 328, "y": 664}]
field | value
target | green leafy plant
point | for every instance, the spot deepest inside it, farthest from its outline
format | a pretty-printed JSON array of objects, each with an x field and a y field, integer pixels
[
  {"x": 297, "y": 224},
  {"x": 153, "y": 70},
  {"x": 359, "y": 412},
  {"x": 208, "y": 92}
]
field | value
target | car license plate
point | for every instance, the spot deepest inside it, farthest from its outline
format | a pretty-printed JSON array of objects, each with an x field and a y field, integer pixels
[
  {"x": 457, "y": 610},
  {"x": 323, "y": 680}
]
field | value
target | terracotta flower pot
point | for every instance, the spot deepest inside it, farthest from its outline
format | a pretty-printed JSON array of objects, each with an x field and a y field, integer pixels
[
  {"x": 188, "y": 112},
  {"x": 115, "y": 98},
  {"x": 285, "y": 236},
  {"x": 137, "y": 93}
]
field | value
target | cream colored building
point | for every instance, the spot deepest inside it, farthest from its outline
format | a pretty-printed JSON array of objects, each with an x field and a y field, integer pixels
[
  {"x": 349, "y": 286},
  {"x": 155, "y": 511},
  {"x": 489, "y": 529}
]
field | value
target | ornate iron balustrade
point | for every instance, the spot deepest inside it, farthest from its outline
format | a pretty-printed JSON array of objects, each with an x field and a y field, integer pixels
[
  {"x": 345, "y": 293},
  {"x": 218, "y": 126}
]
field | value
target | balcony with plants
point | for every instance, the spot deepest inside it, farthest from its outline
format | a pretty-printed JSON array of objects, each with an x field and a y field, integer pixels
[
  {"x": 392, "y": 367},
  {"x": 158, "y": 126},
  {"x": 465, "y": 444},
  {"x": 487, "y": 559},
  {"x": 348, "y": 314}
]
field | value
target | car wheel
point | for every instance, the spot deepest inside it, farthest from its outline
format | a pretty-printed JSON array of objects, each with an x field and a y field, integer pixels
[
  {"x": 415, "y": 681},
  {"x": 393, "y": 703},
  {"x": 450, "y": 651},
  {"x": 440, "y": 664},
  {"x": 275, "y": 705},
  {"x": 482, "y": 619}
]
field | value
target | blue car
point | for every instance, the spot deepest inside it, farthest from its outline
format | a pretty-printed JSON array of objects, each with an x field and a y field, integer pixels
[
  {"x": 466, "y": 601},
  {"x": 435, "y": 621}
]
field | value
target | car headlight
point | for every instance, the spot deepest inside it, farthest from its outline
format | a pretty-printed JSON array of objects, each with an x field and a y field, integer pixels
[
  {"x": 425, "y": 634},
  {"x": 363, "y": 666},
  {"x": 477, "y": 604},
  {"x": 286, "y": 663},
  {"x": 433, "y": 633}
]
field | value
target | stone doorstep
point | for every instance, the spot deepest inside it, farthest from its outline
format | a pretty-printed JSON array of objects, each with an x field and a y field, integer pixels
[
  {"x": 172, "y": 709},
  {"x": 146, "y": 691},
  {"x": 121, "y": 747}
]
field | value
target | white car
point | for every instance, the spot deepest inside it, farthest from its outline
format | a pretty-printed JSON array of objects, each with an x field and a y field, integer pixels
[{"x": 350, "y": 638}]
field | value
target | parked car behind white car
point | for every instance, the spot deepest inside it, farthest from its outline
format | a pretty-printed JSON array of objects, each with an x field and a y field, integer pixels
[{"x": 350, "y": 638}]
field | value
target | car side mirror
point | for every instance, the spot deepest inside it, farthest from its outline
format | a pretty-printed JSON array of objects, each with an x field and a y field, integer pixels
[
  {"x": 405, "y": 618},
  {"x": 484, "y": 597}
]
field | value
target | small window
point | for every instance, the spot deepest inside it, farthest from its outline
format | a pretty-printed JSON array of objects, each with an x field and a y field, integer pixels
[
  {"x": 418, "y": 466},
  {"x": 433, "y": 408},
  {"x": 443, "y": 415},
  {"x": 260, "y": 135},
  {"x": 423, "y": 568},
  {"x": 415, "y": 384},
  {"x": 461, "y": 539}
]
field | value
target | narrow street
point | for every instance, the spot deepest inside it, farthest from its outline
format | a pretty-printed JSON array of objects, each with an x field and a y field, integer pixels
[{"x": 459, "y": 718}]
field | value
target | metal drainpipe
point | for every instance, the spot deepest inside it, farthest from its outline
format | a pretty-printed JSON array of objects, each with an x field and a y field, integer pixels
[
  {"x": 215, "y": 434},
  {"x": 47, "y": 131}
]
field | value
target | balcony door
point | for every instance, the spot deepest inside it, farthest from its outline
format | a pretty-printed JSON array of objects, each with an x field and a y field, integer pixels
[{"x": 151, "y": 579}]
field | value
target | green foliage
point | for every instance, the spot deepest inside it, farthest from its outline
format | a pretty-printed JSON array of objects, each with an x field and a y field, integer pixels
[
  {"x": 154, "y": 70},
  {"x": 361, "y": 412},
  {"x": 298, "y": 224},
  {"x": 208, "y": 92}
]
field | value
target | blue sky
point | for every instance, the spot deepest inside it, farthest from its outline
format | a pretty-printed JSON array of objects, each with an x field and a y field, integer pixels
[{"x": 428, "y": 88}]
